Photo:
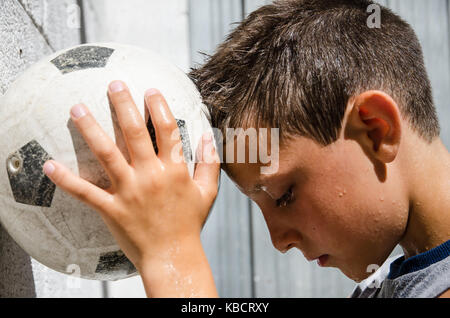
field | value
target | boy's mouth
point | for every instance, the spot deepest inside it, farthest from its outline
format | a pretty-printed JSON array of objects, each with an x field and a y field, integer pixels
[{"x": 322, "y": 260}]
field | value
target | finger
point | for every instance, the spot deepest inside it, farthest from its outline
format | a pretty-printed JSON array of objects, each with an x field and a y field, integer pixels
[
  {"x": 97, "y": 198},
  {"x": 133, "y": 127},
  {"x": 207, "y": 169},
  {"x": 100, "y": 144},
  {"x": 166, "y": 128}
]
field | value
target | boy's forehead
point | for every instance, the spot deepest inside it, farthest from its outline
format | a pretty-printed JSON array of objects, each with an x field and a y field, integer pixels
[
  {"x": 293, "y": 155},
  {"x": 249, "y": 179},
  {"x": 246, "y": 176}
]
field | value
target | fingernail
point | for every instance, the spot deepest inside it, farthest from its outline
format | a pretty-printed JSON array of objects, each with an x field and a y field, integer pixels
[
  {"x": 151, "y": 92},
  {"x": 116, "y": 86},
  {"x": 49, "y": 168},
  {"x": 78, "y": 111}
]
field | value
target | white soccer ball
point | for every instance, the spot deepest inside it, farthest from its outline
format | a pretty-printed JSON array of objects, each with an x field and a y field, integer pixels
[{"x": 55, "y": 229}]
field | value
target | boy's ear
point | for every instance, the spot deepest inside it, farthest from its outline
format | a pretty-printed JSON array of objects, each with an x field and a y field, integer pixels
[{"x": 375, "y": 122}]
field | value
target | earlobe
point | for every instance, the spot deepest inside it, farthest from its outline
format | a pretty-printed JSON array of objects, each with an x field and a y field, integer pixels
[{"x": 374, "y": 121}]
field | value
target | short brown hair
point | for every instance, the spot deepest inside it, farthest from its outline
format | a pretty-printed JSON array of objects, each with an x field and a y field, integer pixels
[{"x": 294, "y": 64}]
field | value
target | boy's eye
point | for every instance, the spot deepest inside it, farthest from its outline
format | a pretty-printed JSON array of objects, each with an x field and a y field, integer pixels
[{"x": 286, "y": 199}]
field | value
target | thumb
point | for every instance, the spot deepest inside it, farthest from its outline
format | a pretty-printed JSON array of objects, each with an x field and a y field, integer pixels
[{"x": 207, "y": 169}]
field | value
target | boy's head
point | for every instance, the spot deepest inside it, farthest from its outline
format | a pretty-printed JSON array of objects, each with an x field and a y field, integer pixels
[{"x": 351, "y": 102}]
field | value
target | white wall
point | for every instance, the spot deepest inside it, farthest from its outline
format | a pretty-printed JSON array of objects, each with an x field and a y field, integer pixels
[{"x": 161, "y": 26}]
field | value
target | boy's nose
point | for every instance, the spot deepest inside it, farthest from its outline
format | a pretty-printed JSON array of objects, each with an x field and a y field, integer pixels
[
  {"x": 282, "y": 234},
  {"x": 283, "y": 240},
  {"x": 282, "y": 246}
]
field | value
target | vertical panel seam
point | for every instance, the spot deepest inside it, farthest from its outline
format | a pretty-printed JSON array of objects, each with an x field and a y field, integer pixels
[
  {"x": 105, "y": 292},
  {"x": 250, "y": 218},
  {"x": 211, "y": 37},
  {"x": 250, "y": 212},
  {"x": 447, "y": 5},
  {"x": 252, "y": 250},
  {"x": 189, "y": 30},
  {"x": 82, "y": 22}
]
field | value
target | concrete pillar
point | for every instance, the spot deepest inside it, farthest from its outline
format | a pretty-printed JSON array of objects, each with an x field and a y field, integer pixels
[{"x": 30, "y": 30}]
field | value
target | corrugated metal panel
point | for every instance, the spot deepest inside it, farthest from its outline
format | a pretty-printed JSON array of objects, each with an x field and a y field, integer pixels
[
  {"x": 252, "y": 5},
  {"x": 226, "y": 237},
  {"x": 161, "y": 26},
  {"x": 430, "y": 20}
]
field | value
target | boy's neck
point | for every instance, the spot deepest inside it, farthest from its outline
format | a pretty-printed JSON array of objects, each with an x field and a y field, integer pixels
[{"x": 428, "y": 175}]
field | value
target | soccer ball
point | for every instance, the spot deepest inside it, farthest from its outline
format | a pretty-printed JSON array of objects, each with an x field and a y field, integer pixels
[{"x": 51, "y": 226}]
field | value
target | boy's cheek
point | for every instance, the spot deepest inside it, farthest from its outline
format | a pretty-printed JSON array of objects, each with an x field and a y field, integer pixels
[
  {"x": 366, "y": 243},
  {"x": 357, "y": 232}
]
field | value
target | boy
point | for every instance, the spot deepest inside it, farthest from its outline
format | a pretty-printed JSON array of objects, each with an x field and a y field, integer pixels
[{"x": 361, "y": 165}]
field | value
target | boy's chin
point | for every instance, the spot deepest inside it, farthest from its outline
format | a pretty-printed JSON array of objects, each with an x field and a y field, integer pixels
[
  {"x": 363, "y": 267},
  {"x": 356, "y": 273},
  {"x": 356, "y": 277}
]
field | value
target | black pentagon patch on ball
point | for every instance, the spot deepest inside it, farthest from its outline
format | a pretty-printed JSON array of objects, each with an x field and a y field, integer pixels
[
  {"x": 29, "y": 183},
  {"x": 112, "y": 262},
  {"x": 83, "y": 57},
  {"x": 184, "y": 134}
]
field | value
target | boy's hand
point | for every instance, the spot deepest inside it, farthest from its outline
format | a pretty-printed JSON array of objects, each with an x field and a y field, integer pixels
[{"x": 153, "y": 208}]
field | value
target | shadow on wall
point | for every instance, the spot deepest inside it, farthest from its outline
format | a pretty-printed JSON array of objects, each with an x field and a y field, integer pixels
[{"x": 16, "y": 280}]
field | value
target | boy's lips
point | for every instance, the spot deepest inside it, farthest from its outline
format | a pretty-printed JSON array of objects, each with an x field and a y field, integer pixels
[{"x": 321, "y": 260}]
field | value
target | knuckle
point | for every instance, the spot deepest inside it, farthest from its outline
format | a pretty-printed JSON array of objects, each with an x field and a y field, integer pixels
[
  {"x": 137, "y": 198},
  {"x": 147, "y": 185},
  {"x": 135, "y": 132},
  {"x": 130, "y": 196},
  {"x": 82, "y": 194},
  {"x": 169, "y": 128},
  {"x": 167, "y": 181},
  {"x": 107, "y": 154},
  {"x": 155, "y": 184},
  {"x": 117, "y": 216},
  {"x": 181, "y": 174}
]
